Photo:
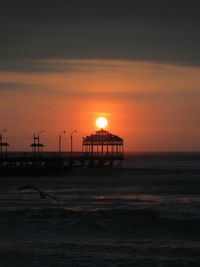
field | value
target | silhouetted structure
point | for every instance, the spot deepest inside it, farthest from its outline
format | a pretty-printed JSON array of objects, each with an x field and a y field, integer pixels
[
  {"x": 36, "y": 145},
  {"x": 59, "y": 142},
  {"x": 71, "y": 141},
  {"x": 3, "y": 145},
  {"x": 101, "y": 149},
  {"x": 103, "y": 143}
]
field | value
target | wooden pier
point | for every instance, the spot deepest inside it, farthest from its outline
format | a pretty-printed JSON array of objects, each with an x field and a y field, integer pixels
[{"x": 99, "y": 150}]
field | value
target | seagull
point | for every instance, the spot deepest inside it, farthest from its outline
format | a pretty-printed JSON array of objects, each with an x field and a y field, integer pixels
[{"x": 42, "y": 194}]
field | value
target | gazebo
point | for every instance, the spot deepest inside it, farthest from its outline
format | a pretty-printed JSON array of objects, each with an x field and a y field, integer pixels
[{"x": 103, "y": 143}]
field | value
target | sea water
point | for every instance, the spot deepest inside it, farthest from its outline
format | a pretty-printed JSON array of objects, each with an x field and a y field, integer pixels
[{"x": 144, "y": 214}]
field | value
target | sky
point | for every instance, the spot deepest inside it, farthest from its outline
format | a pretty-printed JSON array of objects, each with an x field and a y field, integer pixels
[{"x": 64, "y": 63}]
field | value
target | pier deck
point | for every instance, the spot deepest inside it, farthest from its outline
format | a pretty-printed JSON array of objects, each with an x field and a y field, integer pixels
[{"x": 30, "y": 161}]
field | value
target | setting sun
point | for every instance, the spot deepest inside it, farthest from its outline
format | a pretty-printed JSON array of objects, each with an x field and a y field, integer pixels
[{"x": 101, "y": 122}]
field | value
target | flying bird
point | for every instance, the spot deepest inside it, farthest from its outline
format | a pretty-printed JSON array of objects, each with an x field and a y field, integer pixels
[{"x": 42, "y": 194}]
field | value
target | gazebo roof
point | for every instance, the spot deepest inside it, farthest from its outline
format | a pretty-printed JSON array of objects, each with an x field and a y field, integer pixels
[{"x": 102, "y": 135}]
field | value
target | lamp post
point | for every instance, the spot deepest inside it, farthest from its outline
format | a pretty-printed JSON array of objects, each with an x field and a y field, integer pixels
[
  {"x": 42, "y": 131},
  {"x": 71, "y": 138},
  {"x": 60, "y": 137},
  {"x": 1, "y": 138}
]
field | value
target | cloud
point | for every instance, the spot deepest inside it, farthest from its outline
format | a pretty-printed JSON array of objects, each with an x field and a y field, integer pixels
[
  {"x": 61, "y": 65},
  {"x": 90, "y": 10},
  {"x": 130, "y": 96},
  {"x": 89, "y": 66},
  {"x": 148, "y": 30},
  {"x": 36, "y": 65},
  {"x": 14, "y": 86},
  {"x": 27, "y": 87},
  {"x": 104, "y": 80}
]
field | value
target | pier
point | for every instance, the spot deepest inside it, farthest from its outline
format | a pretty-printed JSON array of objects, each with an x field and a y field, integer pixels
[
  {"x": 99, "y": 150},
  {"x": 29, "y": 162}
]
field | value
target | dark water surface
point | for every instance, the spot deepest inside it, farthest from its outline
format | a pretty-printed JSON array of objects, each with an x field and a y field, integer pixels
[{"x": 146, "y": 214}]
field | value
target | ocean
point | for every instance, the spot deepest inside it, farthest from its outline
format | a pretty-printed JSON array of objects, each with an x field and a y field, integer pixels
[{"x": 144, "y": 214}]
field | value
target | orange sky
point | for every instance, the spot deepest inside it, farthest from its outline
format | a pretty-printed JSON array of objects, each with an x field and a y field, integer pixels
[{"x": 152, "y": 106}]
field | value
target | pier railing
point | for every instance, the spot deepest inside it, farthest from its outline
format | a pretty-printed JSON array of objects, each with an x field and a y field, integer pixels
[
  {"x": 13, "y": 162},
  {"x": 60, "y": 154}
]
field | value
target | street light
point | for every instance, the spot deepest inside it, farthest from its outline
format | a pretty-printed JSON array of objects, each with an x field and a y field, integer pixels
[
  {"x": 74, "y": 131},
  {"x": 60, "y": 136},
  {"x": 1, "y": 139},
  {"x": 40, "y": 145}
]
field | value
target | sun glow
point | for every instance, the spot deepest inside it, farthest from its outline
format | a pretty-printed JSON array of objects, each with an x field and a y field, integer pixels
[{"x": 101, "y": 122}]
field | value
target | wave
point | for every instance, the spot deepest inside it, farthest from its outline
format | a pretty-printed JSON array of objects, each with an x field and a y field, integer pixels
[
  {"x": 180, "y": 216},
  {"x": 114, "y": 223},
  {"x": 129, "y": 215}
]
